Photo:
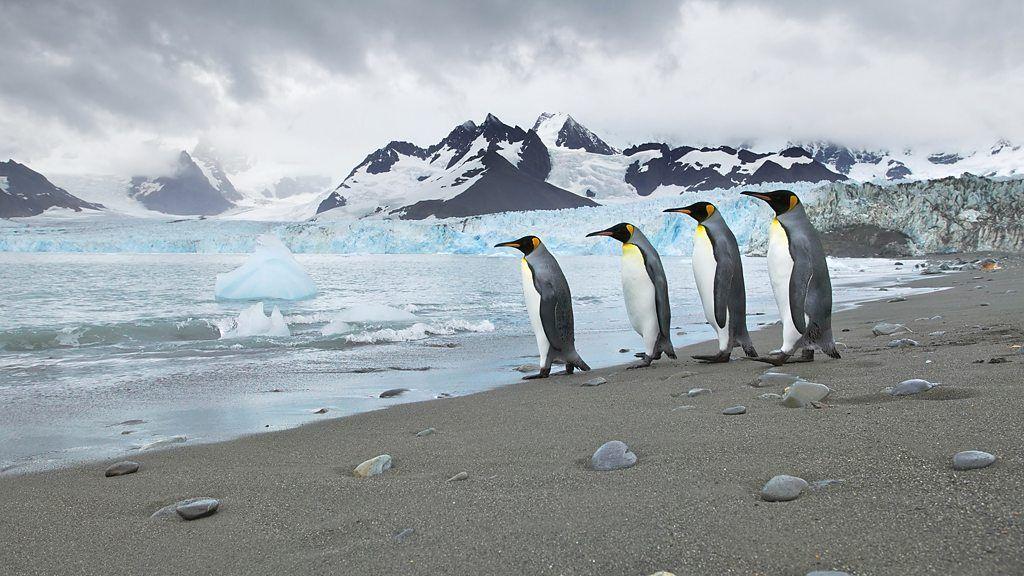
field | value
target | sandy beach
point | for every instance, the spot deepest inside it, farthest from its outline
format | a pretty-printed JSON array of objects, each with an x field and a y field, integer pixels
[{"x": 290, "y": 503}]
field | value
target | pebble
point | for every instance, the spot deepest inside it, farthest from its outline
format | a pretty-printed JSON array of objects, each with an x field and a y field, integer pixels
[
  {"x": 997, "y": 360},
  {"x": 984, "y": 304},
  {"x": 623, "y": 350},
  {"x": 801, "y": 394},
  {"x": 127, "y": 432},
  {"x": 197, "y": 508},
  {"x": 459, "y": 477},
  {"x": 972, "y": 460},
  {"x": 393, "y": 392},
  {"x": 885, "y": 328},
  {"x": 426, "y": 432},
  {"x": 595, "y": 381},
  {"x": 527, "y": 368},
  {"x": 697, "y": 392},
  {"x": 373, "y": 466},
  {"x": 937, "y": 333},
  {"x": 320, "y": 411},
  {"x": 613, "y": 455},
  {"x": 735, "y": 410},
  {"x": 129, "y": 423},
  {"x": 662, "y": 573},
  {"x": 770, "y": 396},
  {"x": 897, "y": 299},
  {"x": 914, "y": 386},
  {"x": 902, "y": 343},
  {"x": 936, "y": 318},
  {"x": 190, "y": 509},
  {"x": 121, "y": 468},
  {"x": 776, "y": 379},
  {"x": 783, "y": 488},
  {"x": 404, "y": 534}
]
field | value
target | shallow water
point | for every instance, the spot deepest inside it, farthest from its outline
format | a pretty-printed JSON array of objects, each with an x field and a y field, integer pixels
[{"x": 91, "y": 340}]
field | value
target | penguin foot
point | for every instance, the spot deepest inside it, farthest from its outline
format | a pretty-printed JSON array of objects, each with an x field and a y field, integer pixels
[
  {"x": 774, "y": 359},
  {"x": 806, "y": 356},
  {"x": 644, "y": 362},
  {"x": 542, "y": 374},
  {"x": 713, "y": 358}
]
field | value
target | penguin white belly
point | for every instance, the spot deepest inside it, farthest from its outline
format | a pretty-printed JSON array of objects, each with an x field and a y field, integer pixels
[
  {"x": 533, "y": 308},
  {"x": 638, "y": 290},
  {"x": 704, "y": 268},
  {"x": 780, "y": 268}
]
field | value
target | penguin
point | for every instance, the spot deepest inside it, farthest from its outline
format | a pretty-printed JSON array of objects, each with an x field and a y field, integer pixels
[
  {"x": 549, "y": 304},
  {"x": 800, "y": 280},
  {"x": 718, "y": 272},
  {"x": 646, "y": 291}
]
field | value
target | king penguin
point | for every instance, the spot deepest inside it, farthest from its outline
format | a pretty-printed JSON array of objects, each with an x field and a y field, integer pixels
[
  {"x": 799, "y": 278},
  {"x": 646, "y": 291},
  {"x": 718, "y": 272},
  {"x": 549, "y": 304}
]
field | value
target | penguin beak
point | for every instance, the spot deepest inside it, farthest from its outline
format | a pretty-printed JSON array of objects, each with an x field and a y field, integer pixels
[
  {"x": 512, "y": 244},
  {"x": 764, "y": 197},
  {"x": 601, "y": 233},
  {"x": 677, "y": 210}
]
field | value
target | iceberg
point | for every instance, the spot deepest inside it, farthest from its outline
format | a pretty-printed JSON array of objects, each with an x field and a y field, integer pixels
[
  {"x": 371, "y": 312},
  {"x": 270, "y": 272},
  {"x": 254, "y": 322}
]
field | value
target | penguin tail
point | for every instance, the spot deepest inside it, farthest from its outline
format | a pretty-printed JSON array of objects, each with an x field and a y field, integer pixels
[
  {"x": 665, "y": 345},
  {"x": 824, "y": 340},
  {"x": 748, "y": 346},
  {"x": 574, "y": 359},
  {"x": 830, "y": 350}
]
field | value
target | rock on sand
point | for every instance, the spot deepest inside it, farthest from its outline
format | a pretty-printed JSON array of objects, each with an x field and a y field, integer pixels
[
  {"x": 783, "y": 488},
  {"x": 613, "y": 455},
  {"x": 121, "y": 468},
  {"x": 802, "y": 394},
  {"x": 373, "y": 466},
  {"x": 972, "y": 460},
  {"x": 914, "y": 386}
]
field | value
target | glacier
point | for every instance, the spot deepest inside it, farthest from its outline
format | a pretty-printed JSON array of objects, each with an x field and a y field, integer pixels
[{"x": 270, "y": 272}]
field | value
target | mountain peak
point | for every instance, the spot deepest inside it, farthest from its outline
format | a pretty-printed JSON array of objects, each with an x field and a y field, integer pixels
[{"x": 562, "y": 130}]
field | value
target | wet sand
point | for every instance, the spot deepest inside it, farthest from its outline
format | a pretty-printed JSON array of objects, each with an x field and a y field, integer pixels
[{"x": 531, "y": 505}]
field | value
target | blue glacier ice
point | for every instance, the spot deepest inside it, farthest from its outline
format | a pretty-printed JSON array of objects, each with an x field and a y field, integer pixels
[{"x": 270, "y": 272}]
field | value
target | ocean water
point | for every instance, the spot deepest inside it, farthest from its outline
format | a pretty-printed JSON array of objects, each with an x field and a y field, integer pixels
[{"x": 88, "y": 341}]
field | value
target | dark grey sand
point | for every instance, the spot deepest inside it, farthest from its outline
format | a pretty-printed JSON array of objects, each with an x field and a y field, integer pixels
[{"x": 289, "y": 502}]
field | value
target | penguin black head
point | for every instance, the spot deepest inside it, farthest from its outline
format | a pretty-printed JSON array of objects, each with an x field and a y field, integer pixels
[
  {"x": 622, "y": 232},
  {"x": 781, "y": 201},
  {"x": 526, "y": 244},
  {"x": 699, "y": 211}
]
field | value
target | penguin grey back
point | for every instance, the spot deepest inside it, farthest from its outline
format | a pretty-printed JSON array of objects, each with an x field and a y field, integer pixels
[
  {"x": 555, "y": 297},
  {"x": 656, "y": 272},
  {"x": 730, "y": 290}
]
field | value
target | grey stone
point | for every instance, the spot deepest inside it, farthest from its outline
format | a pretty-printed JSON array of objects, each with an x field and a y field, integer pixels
[
  {"x": 623, "y": 350},
  {"x": 459, "y": 477},
  {"x": 197, "y": 508},
  {"x": 897, "y": 299},
  {"x": 783, "y": 488},
  {"x": 802, "y": 394},
  {"x": 320, "y": 411},
  {"x": 121, "y": 468},
  {"x": 886, "y": 328},
  {"x": 972, "y": 460},
  {"x": 697, "y": 392},
  {"x": 373, "y": 466},
  {"x": 735, "y": 410},
  {"x": 425, "y": 432},
  {"x": 937, "y": 333},
  {"x": 914, "y": 386},
  {"x": 393, "y": 392},
  {"x": 170, "y": 512},
  {"x": 613, "y": 455},
  {"x": 527, "y": 368},
  {"x": 903, "y": 343},
  {"x": 770, "y": 396},
  {"x": 595, "y": 381},
  {"x": 164, "y": 442}
]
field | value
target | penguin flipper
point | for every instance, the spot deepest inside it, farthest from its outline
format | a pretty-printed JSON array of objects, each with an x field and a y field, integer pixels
[
  {"x": 799, "y": 281},
  {"x": 724, "y": 273}
]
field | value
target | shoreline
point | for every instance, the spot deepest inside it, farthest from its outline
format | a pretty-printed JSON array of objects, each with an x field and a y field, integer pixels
[{"x": 532, "y": 505}]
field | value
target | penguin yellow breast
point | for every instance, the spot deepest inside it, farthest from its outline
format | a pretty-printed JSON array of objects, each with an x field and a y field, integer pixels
[
  {"x": 777, "y": 233},
  {"x": 631, "y": 251}
]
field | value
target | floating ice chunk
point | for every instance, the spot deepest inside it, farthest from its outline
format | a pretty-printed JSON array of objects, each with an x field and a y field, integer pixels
[
  {"x": 365, "y": 313},
  {"x": 270, "y": 272},
  {"x": 254, "y": 322},
  {"x": 335, "y": 327}
]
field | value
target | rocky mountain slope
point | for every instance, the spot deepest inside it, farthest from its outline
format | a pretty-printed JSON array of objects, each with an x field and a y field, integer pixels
[
  {"x": 25, "y": 192},
  {"x": 187, "y": 191}
]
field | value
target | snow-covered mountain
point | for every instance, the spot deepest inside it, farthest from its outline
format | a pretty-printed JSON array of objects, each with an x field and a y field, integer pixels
[
  {"x": 187, "y": 191},
  {"x": 25, "y": 192},
  {"x": 1003, "y": 160},
  {"x": 475, "y": 169},
  {"x": 558, "y": 151}
]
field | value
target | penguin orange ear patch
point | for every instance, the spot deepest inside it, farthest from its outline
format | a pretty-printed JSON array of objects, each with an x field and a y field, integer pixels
[
  {"x": 793, "y": 201},
  {"x": 536, "y": 241},
  {"x": 630, "y": 228},
  {"x": 711, "y": 209}
]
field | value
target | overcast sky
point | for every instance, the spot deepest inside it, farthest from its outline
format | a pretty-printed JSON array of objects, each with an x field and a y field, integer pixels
[{"x": 292, "y": 88}]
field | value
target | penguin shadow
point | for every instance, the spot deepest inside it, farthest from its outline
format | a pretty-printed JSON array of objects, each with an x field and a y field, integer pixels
[{"x": 939, "y": 393}]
